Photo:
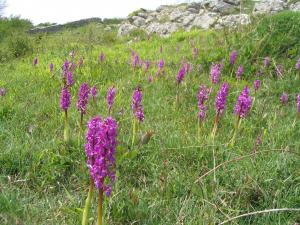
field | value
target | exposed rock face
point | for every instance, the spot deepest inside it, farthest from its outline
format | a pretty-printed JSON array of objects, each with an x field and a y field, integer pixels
[
  {"x": 233, "y": 20},
  {"x": 295, "y": 6},
  {"x": 203, "y": 14},
  {"x": 126, "y": 28},
  {"x": 205, "y": 20},
  {"x": 162, "y": 29},
  {"x": 269, "y": 6}
]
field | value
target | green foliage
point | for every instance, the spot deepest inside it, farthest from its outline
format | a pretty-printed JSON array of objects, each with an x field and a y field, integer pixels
[
  {"x": 9, "y": 26},
  {"x": 281, "y": 34},
  {"x": 19, "y": 45},
  {"x": 140, "y": 34},
  {"x": 111, "y": 21},
  {"x": 14, "y": 42}
]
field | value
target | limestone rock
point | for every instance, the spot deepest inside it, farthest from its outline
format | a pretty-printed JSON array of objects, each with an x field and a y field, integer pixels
[
  {"x": 138, "y": 21},
  {"x": 125, "y": 29},
  {"x": 219, "y": 6},
  {"x": 295, "y": 7},
  {"x": 162, "y": 29},
  {"x": 269, "y": 6},
  {"x": 233, "y": 20},
  {"x": 188, "y": 20},
  {"x": 176, "y": 14},
  {"x": 205, "y": 20}
]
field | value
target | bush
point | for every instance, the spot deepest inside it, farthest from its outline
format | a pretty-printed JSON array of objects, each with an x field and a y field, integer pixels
[
  {"x": 9, "y": 26},
  {"x": 19, "y": 45},
  {"x": 15, "y": 46}
]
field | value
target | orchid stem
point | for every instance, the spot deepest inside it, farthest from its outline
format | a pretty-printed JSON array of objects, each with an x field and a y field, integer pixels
[
  {"x": 214, "y": 130},
  {"x": 100, "y": 202},
  {"x": 88, "y": 203},
  {"x": 237, "y": 126},
  {"x": 199, "y": 124},
  {"x": 66, "y": 130},
  {"x": 133, "y": 132},
  {"x": 80, "y": 128}
]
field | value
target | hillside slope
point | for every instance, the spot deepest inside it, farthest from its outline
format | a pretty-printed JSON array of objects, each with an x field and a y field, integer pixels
[{"x": 44, "y": 180}]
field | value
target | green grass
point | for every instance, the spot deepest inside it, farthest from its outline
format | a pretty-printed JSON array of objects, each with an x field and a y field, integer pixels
[{"x": 45, "y": 181}]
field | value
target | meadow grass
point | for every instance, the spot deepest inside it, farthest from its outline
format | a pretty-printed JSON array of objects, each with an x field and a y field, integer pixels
[{"x": 45, "y": 181}]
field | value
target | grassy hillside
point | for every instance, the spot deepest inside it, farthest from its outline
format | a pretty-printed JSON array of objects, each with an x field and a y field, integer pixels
[{"x": 44, "y": 180}]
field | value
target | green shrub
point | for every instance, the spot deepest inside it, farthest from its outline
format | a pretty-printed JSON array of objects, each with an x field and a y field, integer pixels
[
  {"x": 19, "y": 45},
  {"x": 12, "y": 25}
]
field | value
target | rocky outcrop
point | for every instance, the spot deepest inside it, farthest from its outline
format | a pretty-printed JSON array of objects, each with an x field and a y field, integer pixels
[
  {"x": 295, "y": 6},
  {"x": 269, "y": 6},
  {"x": 167, "y": 19},
  {"x": 203, "y": 14}
]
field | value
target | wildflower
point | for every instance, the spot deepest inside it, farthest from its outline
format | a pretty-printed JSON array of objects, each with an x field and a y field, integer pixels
[
  {"x": 83, "y": 97},
  {"x": 94, "y": 92},
  {"x": 266, "y": 61},
  {"x": 243, "y": 103},
  {"x": 69, "y": 78},
  {"x": 160, "y": 67},
  {"x": 136, "y": 105},
  {"x": 147, "y": 65},
  {"x": 65, "y": 102},
  {"x": 65, "y": 99},
  {"x": 35, "y": 61},
  {"x": 242, "y": 108},
  {"x": 136, "y": 61},
  {"x": 233, "y": 57},
  {"x": 298, "y": 64},
  {"x": 101, "y": 57},
  {"x": 161, "y": 64},
  {"x": 215, "y": 73},
  {"x": 258, "y": 141},
  {"x": 256, "y": 85},
  {"x": 150, "y": 79},
  {"x": 51, "y": 67},
  {"x": 220, "y": 105},
  {"x": 220, "y": 101},
  {"x": 66, "y": 66},
  {"x": 239, "y": 72},
  {"x": 202, "y": 97},
  {"x": 2, "y": 91},
  {"x": 284, "y": 98},
  {"x": 180, "y": 75},
  {"x": 100, "y": 149},
  {"x": 110, "y": 98}
]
